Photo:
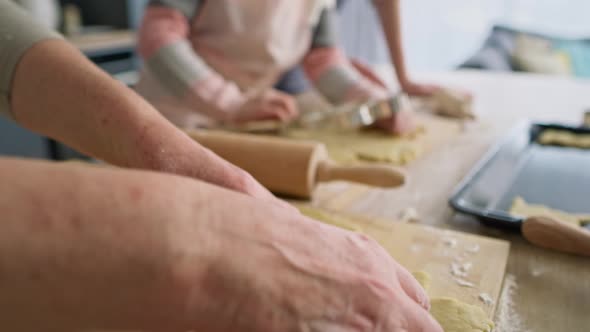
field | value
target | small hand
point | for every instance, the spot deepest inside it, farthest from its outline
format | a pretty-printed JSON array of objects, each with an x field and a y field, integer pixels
[
  {"x": 269, "y": 105},
  {"x": 400, "y": 123}
]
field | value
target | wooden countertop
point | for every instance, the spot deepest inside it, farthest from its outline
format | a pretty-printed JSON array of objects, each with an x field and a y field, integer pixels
[{"x": 553, "y": 289}]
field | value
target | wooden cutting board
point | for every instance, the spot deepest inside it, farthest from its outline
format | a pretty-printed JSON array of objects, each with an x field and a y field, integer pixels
[{"x": 431, "y": 250}]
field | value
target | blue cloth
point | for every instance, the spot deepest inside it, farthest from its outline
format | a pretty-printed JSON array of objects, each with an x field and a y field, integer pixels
[
  {"x": 579, "y": 53},
  {"x": 294, "y": 82}
]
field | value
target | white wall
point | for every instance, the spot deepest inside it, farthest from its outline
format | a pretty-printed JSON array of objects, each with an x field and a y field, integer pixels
[{"x": 440, "y": 34}]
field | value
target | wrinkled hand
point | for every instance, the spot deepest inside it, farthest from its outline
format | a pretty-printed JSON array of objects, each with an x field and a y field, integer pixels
[
  {"x": 268, "y": 269},
  {"x": 268, "y": 105}
]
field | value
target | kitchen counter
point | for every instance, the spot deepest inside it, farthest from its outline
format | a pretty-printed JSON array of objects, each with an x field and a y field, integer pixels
[{"x": 550, "y": 291}]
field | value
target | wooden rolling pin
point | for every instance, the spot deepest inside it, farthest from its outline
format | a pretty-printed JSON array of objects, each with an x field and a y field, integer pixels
[
  {"x": 291, "y": 167},
  {"x": 557, "y": 235}
]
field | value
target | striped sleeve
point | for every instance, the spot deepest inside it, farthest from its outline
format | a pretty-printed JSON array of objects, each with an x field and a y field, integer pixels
[
  {"x": 18, "y": 33},
  {"x": 169, "y": 56},
  {"x": 329, "y": 69}
]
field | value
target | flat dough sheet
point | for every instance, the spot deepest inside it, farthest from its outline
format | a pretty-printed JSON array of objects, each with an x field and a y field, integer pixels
[
  {"x": 452, "y": 315},
  {"x": 372, "y": 146},
  {"x": 368, "y": 145},
  {"x": 564, "y": 138},
  {"x": 523, "y": 209}
]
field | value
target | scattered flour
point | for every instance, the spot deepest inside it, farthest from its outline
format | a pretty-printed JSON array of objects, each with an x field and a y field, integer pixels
[
  {"x": 464, "y": 283},
  {"x": 507, "y": 319},
  {"x": 409, "y": 214},
  {"x": 450, "y": 242},
  {"x": 460, "y": 269},
  {"x": 486, "y": 299},
  {"x": 472, "y": 249}
]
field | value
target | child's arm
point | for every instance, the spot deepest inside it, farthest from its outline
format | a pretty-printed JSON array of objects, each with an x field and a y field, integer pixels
[
  {"x": 390, "y": 14},
  {"x": 340, "y": 80},
  {"x": 170, "y": 57},
  {"x": 330, "y": 70}
]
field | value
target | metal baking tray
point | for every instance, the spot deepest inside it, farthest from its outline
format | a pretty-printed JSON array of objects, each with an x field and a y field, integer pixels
[{"x": 555, "y": 176}]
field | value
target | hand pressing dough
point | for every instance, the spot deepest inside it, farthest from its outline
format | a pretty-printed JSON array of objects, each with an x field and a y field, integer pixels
[
  {"x": 452, "y": 315},
  {"x": 564, "y": 138},
  {"x": 522, "y": 209}
]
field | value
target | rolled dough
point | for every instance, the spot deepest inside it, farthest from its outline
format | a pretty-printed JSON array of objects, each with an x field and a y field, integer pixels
[
  {"x": 564, "y": 138},
  {"x": 370, "y": 146},
  {"x": 522, "y": 209}
]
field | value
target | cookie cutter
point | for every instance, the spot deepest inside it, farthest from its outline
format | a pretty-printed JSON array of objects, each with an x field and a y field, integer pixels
[{"x": 354, "y": 116}]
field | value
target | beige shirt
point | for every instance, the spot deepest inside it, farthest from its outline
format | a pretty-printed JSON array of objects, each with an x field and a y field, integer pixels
[{"x": 18, "y": 32}]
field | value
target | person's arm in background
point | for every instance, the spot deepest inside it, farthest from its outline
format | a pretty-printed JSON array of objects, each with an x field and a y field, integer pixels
[
  {"x": 89, "y": 249},
  {"x": 49, "y": 87},
  {"x": 171, "y": 59},
  {"x": 389, "y": 12},
  {"x": 341, "y": 81}
]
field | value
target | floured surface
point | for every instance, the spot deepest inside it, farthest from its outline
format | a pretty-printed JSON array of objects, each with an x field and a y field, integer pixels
[
  {"x": 375, "y": 146},
  {"x": 523, "y": 209},
  {"x": 433, "y": 252}
]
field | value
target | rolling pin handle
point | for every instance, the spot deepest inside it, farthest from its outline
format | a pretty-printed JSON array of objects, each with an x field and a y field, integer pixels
[
  {"x": 372, "y": 175},
  {"x": 557, "y": 235}
]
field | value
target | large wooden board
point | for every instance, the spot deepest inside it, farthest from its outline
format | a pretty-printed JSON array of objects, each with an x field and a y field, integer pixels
[{"x": 432, "y": 250}]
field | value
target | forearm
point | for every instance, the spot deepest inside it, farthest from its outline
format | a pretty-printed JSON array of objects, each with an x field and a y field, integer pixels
[
  {"x": 390, "y": 16},
  {"x": 330, "y": 70},
  {"x": 57, "y": 92},
  {"x": 88, "y": 248}
]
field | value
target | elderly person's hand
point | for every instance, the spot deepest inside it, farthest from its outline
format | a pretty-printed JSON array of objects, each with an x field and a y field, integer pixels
[
  {"x": 114, "y": 249},
  {"x": 259, "y": 267},
  {"x": 58, "y": 93}
]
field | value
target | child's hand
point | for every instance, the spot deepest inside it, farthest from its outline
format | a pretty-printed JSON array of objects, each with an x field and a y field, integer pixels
[
  {"x": 400, "y": 123},
  {"x": 269, "y": 105}
]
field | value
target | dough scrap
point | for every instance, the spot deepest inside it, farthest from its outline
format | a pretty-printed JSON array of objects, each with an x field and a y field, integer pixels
[
  {"x": 366, "y": 145},
  {"x": 522, "y": 209},
  {"x": 454, "y": 315},
  {"x": 453, "y": 103},
  {"x": 564, "y": 138},
  {"x": 457, "y": 316}
]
